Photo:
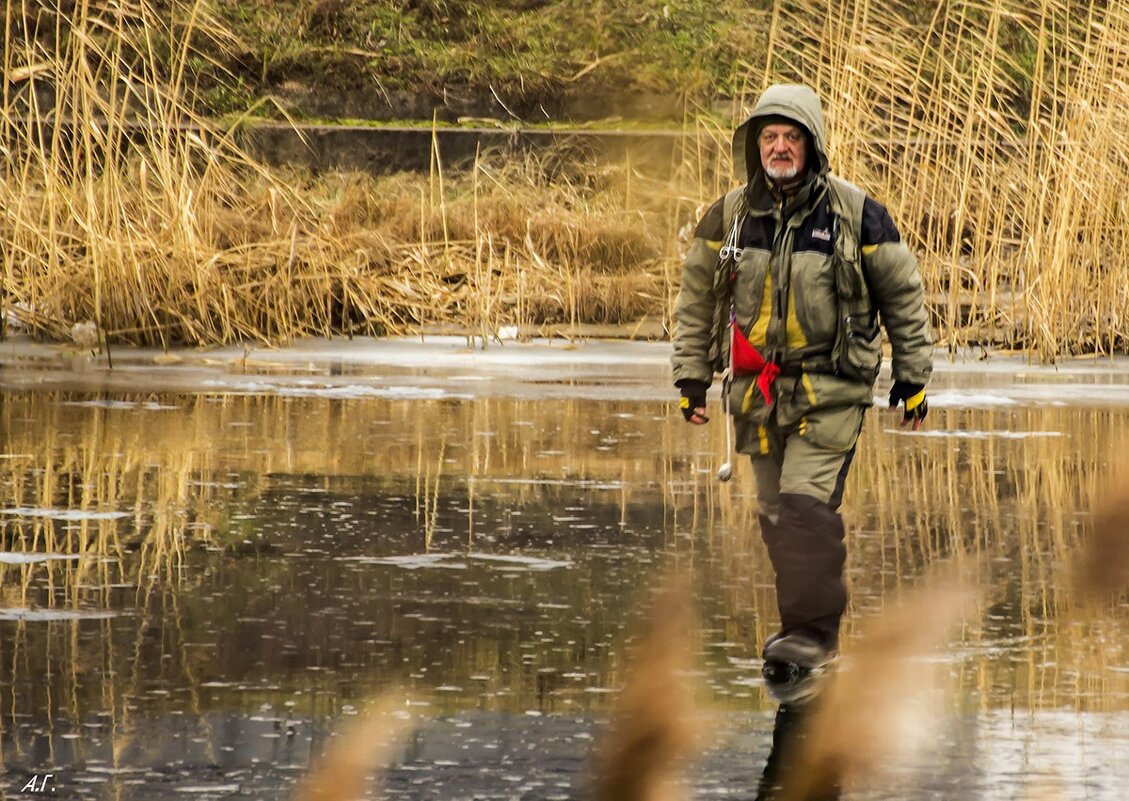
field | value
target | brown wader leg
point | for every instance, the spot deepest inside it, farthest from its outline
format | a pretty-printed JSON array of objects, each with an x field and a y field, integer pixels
[{"x": 800, "y": 487}]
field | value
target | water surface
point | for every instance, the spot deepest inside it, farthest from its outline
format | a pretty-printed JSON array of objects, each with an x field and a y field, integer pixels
[{"x": 206, "y": 567}]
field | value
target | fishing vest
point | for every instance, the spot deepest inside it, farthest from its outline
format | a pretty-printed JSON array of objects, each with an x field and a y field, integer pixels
[{"x": 857, "y": 350}]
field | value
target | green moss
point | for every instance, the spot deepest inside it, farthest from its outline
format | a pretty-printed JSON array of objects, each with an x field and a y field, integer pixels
[{"x": 528, "y": 52}]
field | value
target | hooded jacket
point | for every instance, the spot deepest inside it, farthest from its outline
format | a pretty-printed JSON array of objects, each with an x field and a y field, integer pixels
[{"x": 782, "y": 286}]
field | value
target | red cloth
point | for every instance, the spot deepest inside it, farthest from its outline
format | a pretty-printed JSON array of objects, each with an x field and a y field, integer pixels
[{"x": 747, "y": 360}]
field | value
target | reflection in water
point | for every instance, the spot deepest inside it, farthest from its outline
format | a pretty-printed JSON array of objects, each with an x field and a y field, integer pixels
[{"x": 251, "y": 568}]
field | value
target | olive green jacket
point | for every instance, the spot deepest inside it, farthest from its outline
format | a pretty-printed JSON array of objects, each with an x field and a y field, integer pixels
[{"x": 784, "y": 286}]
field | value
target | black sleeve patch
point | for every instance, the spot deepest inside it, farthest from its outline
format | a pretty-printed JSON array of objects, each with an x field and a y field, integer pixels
[
  {"x": 710, "y": 226},
  {"x": 877, "y": 227}
]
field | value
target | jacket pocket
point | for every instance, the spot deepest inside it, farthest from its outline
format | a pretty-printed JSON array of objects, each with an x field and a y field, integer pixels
[
  {"x": 834, "y": 429},
  {"x": 861, "y": 355},
  {"x": 815, "y": 298}
]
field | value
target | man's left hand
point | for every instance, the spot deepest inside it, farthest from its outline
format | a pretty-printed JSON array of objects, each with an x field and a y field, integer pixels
[{"x": 913, "y": 396}]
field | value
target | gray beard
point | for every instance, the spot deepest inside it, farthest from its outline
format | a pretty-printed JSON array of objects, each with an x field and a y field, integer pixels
[{"x": 782, "y": 173}]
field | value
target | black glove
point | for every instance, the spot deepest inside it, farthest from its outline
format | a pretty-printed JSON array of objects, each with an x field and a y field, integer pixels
[
  {"x": 913, "y": 396},
  {"x": 693, "y": 397}
]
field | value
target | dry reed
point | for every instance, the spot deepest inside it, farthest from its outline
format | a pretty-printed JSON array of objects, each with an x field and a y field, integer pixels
[
  {"x": 361, "y": 749},
  {"x": 125, "y": 206},
  {"x": 881, "y": 708},
  {"x": 1101, "y": 570},
  {"x": 652, "y": 730},
  {"x": 997, "y": 134}
]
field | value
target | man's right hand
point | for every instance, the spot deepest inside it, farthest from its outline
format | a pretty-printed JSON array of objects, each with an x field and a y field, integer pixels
[{"x": 693, "y": 401}]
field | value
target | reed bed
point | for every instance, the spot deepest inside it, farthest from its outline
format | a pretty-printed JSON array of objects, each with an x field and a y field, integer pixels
[
  {"x": 124, "y": 206},
  {"x": 997, "y": 134}
]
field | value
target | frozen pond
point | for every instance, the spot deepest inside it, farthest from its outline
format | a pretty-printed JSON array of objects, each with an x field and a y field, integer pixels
[{"x": 209, "y": 560}]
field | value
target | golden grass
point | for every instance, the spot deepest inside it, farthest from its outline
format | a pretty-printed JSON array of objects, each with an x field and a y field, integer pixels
[
  {"x": 124, "y": 206},
  {"x": 997, "y": 134},
  {"x": 359, "y": 752},
  {"x": 651, "y": 736},
  {"x": 882, "y": 707}
]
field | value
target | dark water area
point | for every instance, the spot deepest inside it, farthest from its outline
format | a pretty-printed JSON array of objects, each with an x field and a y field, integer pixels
[{"x": 199, "y": 585}]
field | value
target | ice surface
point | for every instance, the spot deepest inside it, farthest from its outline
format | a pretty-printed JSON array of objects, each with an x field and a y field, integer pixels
[
  {"x": 949, "y": 434},
  {"x": 446, "y": 367}
]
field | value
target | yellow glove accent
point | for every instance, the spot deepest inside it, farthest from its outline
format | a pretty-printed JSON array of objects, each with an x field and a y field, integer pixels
[{"x": 915, "y": 401}]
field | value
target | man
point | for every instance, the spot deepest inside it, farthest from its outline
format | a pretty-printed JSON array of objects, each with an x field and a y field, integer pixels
[{"x": 782, "y": 290}]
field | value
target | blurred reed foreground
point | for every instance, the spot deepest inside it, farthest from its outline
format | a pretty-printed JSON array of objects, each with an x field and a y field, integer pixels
[{"x": 996, "y": 132}]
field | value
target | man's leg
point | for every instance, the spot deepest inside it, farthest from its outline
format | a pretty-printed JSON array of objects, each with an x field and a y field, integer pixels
[
  {"x": 804, "y": 537},
  {"x": 806, "y": 544}
]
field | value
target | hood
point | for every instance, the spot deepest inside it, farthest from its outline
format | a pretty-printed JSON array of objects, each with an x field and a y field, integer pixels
[{"x": 794, "y": 101}]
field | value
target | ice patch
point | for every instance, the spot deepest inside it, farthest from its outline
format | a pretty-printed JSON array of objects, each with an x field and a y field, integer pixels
[
  {"x": 958, "y": 400},
  {"x": 412, "y": 561},
  {"x": 447, "y": 561},
  {"x": 357, "y": 392},
  {"x": 62, "y": 514},
  {"x": 902, "y": 432},
  {"x": 14, "y": 558},
  {"x": 41, "y": 615},
  {"x": 346, "y": 392},
  {"x": 148, "y": 406},
  {"x": 225, "y": 789},
  {"x": 1025, "y": 394},
  {"x": 526, "y": 562}
]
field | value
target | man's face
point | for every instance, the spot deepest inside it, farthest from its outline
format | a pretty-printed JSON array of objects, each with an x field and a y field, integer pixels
[{"x": 784, "y": 151}]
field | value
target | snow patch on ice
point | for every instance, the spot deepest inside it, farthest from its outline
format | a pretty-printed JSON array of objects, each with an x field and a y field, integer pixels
[
  {"x": 23, "y": 558},
  {"x": 525, "y": 562},
  {"x": 49, "y": 615},
  {"x": 62, "y": 514},
  {"x": 951, "y": 434}
]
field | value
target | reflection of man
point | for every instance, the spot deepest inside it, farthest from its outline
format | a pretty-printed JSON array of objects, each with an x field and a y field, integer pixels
[{"x": 783, "y": 289}]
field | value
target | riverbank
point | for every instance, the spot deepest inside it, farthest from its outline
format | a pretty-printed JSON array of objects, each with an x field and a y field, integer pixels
[{"x": 457, "y": 366}]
